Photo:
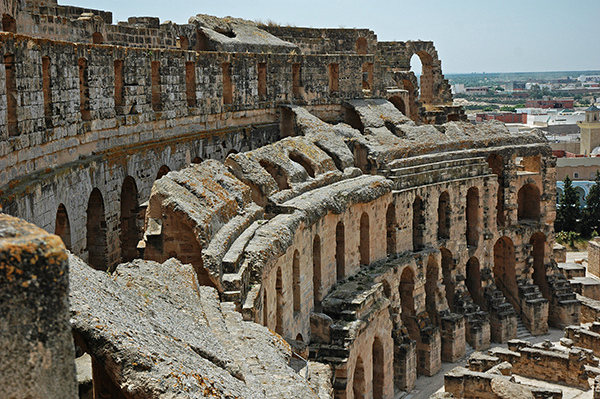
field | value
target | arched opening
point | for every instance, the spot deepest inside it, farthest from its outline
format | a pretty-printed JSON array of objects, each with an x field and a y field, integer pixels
[
  {"x": 265, "y": 307},
  {"x": 334, "y": 77},
  {"x": 496, "y": 164},
  {"x": 412, "y": 109},
  {"x": 297, "y": 80},
  {"x": 367, "y": 76},
  {"x": 422, "y": 61},
  {"x": 407, "y": 286},
  {"x": 444, "y": 215},
  {"x": 197, "y": 160},
  {"x": 296, "y": 287},
  {"x": 364, "y": 250},
  {"x": 97, "y": 38},
  {"x": 378, "y": 368},
  {"x": 538, "y": 251},
  {"x": 96, "y": 232},
  {"x": 392, "y": 227},
  {"x": 504, "y": 269},
  {"x": 418, "y": 224},
  {"x": 9, "y": 24},
  {"x": 276, "y": 173},
  {"x": 472, "y": 217},
  {"x": 280, "y": 303},
  {"x": 47, "y": 90},
  {"x": 358, "y": 382},
  {"x": 398, "y": 103},
  {"x": 316, "y": 252},
  {"x": 130, "y": 229},
  {"x": 302, "y": 162},
  {"x": 232, "y": 151},
  {"x": 362, "y": 46},
  {"x": 162, "y": 171},
  {"x": 227, "y": 83},
  {"x": 528, "y": 199},
  {"x": 352, "y": 118},
  {"x": 62, "y": 227},
  {"x": 431, "y": 288},
  {"x": 448, "y": 280},
  {"x": 119, "y": 86},
  {"x": 299, "y": 337},
  {"x": 340, "y": 249},
  {"x": 473, "y": 281}
]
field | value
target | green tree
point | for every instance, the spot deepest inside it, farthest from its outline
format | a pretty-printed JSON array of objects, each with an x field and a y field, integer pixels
[
  {"x": 568, "y": 212},
  {"x": 591, "y": 212}
]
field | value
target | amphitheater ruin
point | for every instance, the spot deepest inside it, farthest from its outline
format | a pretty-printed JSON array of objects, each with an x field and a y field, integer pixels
[{"x": 264, "y": 211}]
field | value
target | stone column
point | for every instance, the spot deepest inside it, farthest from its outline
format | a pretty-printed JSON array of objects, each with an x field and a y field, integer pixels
[{"x": 38, "y": 356}]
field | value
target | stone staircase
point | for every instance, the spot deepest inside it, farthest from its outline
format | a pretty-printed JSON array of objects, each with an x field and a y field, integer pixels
[
  {"x": 498, "y": 303},
  {"x": 522, "y": 331}
]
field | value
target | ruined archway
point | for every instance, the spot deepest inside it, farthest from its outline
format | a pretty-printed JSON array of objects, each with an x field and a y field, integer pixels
[
  {"x": 473, "y": 281},
  {"x": 398, "y": 103},
  {"x": 280, "y": 303},
  {"x": 276, "y": 173},
  {"x": 528, "y": 200},
  {"x": 472, "y": 216},
  {"x": 378, "y": 368},
  {"x": 496, "y": 164},
  {"x": 504, "y": 268},
  {"x": 426, "y": 78},
  {"x": 364, "y": 249},
  {"x": 358, "y": 382},
  {"x": 96, "y": 232},
  {"x": 316, "y": 252},
  {"x": 302, "y": 161},
  {"x": 130, "y": 228},
  {"x": 407, "y": 302},
  {"x": 296, "y": 287},
  {"x": 447, "y": 269},
  {"x": 444, "y": 215},
  {"x": 340, "y": 249},
  {"x": 391, "y": 227},
  {"x": 162, "y": 171},
  {"x": 431, "y": 284},
  {"x": 418, "y": 224},
  {"x": 538, "y": 252},
  {"x": 62, "y": 226}
]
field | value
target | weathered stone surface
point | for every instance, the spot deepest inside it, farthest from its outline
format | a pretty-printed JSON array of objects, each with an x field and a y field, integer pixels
[
  {"x": 158, "y": 334},
  {"x": 38, "y": 360}
]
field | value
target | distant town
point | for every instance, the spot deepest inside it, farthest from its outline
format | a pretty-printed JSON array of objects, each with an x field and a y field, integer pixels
[{"x": 564, "y": 105}]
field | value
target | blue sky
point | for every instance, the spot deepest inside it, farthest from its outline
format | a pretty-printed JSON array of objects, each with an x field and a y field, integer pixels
[{"x": 470, "y": 35}]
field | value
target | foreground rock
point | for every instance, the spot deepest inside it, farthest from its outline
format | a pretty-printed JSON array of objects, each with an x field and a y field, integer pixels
[{"x": 155, "y": 333}]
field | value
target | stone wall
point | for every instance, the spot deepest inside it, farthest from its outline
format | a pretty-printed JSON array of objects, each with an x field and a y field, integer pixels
[{"x": 593, "y": 265}]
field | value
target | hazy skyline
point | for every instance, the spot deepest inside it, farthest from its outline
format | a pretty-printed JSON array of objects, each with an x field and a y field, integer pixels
[{"x": 469, "y": 35}]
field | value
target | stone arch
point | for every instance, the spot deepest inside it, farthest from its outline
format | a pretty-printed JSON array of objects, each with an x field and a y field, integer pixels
[
  {"x": 9, "y": 24},
  {"x": 472, "y": 217},
  {"x": 280, "y": 303},
  {"x": 528, "y": 200},
  {"x": 473, "y": 281},
  {"x": 418, "y": 224},
  {"x": 364, "y": 246},
  {"x": 444, "y": 215},
  {"x": 496, "y": 164},
  {"x": 299, "y": 337},
  {"x": 358, "y": 381},
  {"x": 302, "y": 161},
  {"x": 391, "y": 227},
  {"x": 340, "y": 251},
  {"x": 398, "y": 102},
  {"x": 296, "y": 286},
  {"x": 276, "y": 173},
  {"x": 504, "y": 268},
  {"x": 362, "y": 46},
  {"x": 97, "y": 38},
  {"x": 316, "y": 252},
  {"x": 407, "y": 302},
  {"x": 62, "y": 226},
  {"x": 96, "y": 232},
  {"x": 431, "y": 284},
  {"x": 448, "y": 280},
  {"x": 378, "y": 368},
  {"x": 538, "y": 252},
  {"x": 426, "y": 81},
  {"x": 130, "y": 229},
  {"x": 163, "y": 170}
]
